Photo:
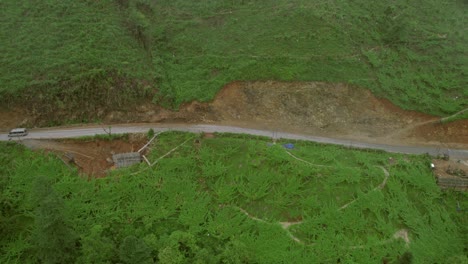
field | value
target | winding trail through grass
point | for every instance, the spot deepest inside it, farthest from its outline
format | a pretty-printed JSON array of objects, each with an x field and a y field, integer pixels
[
  {"x": 380, "y": 187},
  {"x": 400, "y": 234},
  {"x": 162, "y": 157},
  {"x": 284, "y": 225},
  {"x": 305, "y": 161}
]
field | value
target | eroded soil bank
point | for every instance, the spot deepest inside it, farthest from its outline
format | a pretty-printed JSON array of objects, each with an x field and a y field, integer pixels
[
  {"x": 327, "y": 109},
  {"x": 92, "y": 157}
]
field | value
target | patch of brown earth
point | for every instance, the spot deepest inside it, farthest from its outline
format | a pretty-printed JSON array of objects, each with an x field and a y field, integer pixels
[
  {"x": 92, "y": 157},
  {"x": 208, "y": 135},
  {"x": 453, "y": 132},
  {"x": 450, "y": 168},
  {"x": 318, "y": 108},
  {"x": 11, "y": 118}
]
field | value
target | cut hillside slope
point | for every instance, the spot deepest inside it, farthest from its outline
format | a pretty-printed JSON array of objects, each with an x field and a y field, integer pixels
[{"x": 320, "y": 108}]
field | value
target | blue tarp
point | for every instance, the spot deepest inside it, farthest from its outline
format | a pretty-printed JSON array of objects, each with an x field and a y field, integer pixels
[{"x": 288, "y": 146}]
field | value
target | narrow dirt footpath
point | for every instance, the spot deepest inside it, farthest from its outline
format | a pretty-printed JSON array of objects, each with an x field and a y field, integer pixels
[
  {"x": 284, "y": 225},
  {"x": 380, "y": 187},
  {"x": 399, "y": 133},
  {"x": 305, "y": 161},
  {"x": 400, "y": 234}
]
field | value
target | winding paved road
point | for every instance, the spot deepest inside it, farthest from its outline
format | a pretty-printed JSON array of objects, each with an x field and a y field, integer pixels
[{"x": 52, "y": 133}]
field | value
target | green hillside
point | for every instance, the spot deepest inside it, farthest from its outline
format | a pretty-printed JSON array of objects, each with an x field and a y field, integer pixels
[
  {"x": 77, "y": 52},
  {"x": 221, "y": 200}
]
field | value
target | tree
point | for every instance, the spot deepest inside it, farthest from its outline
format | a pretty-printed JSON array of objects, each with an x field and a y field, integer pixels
[
  {"x": 406, "y": 258},
  {"x": 134, "y": 251},
  {"x": 96, "y": 248},
  {"x": 235, "y": 252},
  {"x": 180, "y": 248},
  {"x": 150, "y": 133},
  {"x": 171, "y": 255},
  {"x": 138, "y": 25},
  {"x": 53, "y": 239},
  {"x": 393, "y": 25}
]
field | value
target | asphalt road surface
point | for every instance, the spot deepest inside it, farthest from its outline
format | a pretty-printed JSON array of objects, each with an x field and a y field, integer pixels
[{"x": 54, "y": 133}]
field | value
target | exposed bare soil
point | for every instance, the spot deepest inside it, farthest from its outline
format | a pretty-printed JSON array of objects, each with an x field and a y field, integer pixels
[
  {"x": 454, "y": 132},
  {"x": 92, "y": 157},
  {"x": 319, "y": 108},
  {"x": 450, "y": 168},
  {"x": 11, "y": 118}
]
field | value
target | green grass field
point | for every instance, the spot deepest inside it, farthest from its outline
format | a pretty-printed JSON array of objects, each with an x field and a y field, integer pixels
[
  {"x": 222, "y": 200},
  {"x": 73, "y": 53}
]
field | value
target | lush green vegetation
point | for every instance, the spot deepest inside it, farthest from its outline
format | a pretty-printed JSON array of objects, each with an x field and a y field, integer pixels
[
  {"x": 112, "y": 52},
  {"x": 220, "y": 200}
]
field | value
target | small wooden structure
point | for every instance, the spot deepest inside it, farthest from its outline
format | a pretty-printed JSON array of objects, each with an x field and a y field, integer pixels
[
  {"x": 70, "y": 157},
  {"x": 457, "y": 183},
  {"x": 126, "y": 159},
  {"x": 450, "y": 174}
]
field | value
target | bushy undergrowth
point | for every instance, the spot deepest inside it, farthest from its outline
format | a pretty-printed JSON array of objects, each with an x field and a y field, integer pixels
[
  {"x": 411, "y": 52},
  {"x": 191, "y": 207}
]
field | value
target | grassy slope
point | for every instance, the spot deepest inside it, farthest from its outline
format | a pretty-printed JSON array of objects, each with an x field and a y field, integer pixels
[
  {"x": 394, "y": 50},
  {"x": 187, "y": 206},
  {"x": 45, "y": 42},
  {"x": 411, "y": 52}
]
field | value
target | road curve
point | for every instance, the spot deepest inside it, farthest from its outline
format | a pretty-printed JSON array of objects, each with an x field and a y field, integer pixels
[{"x": 53, "y": 133}]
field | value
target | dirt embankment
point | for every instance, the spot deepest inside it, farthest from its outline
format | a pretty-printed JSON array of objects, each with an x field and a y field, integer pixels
[
  {"x": 321, "y": 108},
  {"x": 327, "y": 109},
  {"x": 92, "y": 157}
]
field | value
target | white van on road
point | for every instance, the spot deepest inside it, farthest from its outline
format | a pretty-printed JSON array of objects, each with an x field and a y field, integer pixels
[{"x": 18, "y": 132}]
